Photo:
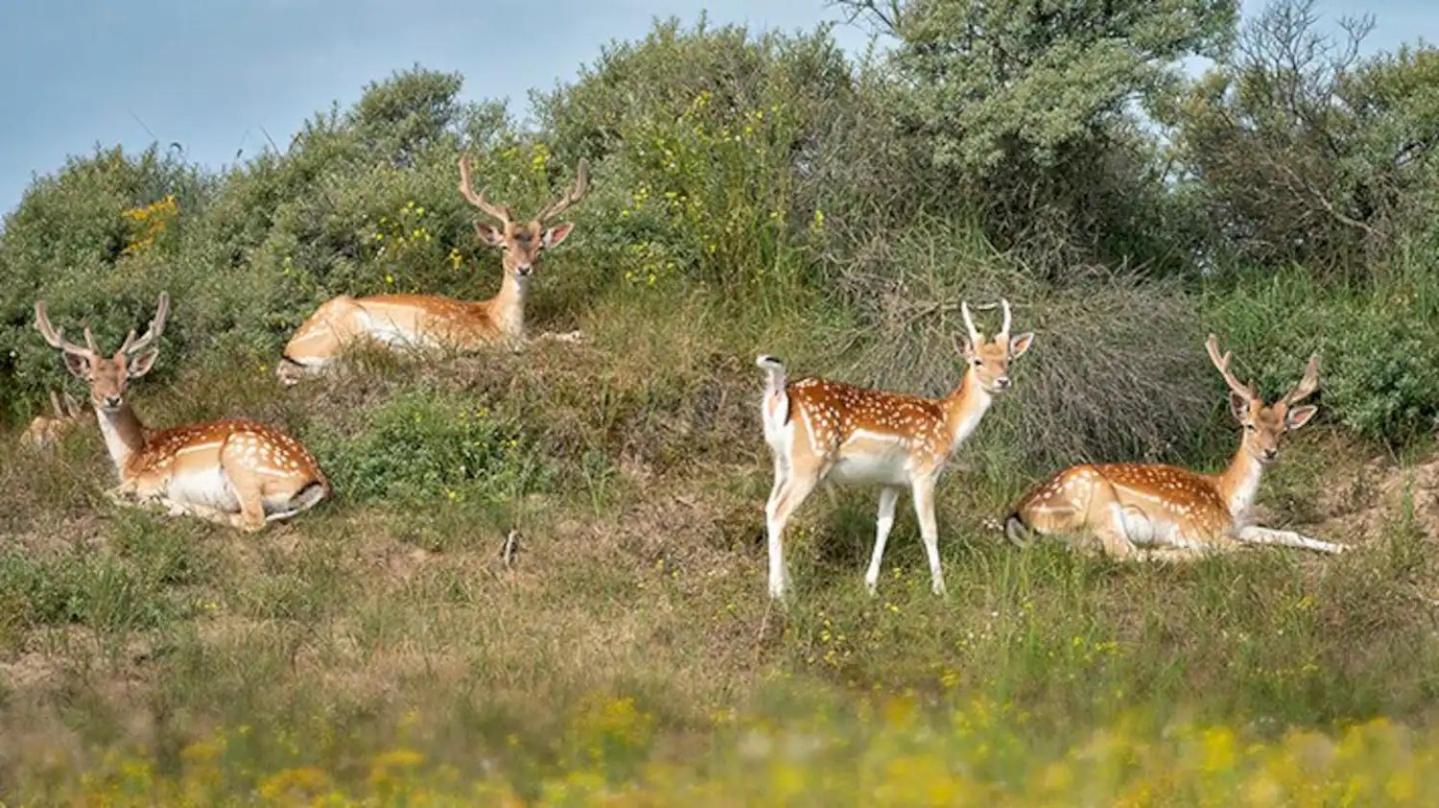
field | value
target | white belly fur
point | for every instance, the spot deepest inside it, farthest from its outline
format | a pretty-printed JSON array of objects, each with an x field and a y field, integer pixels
[
  {"x": 890, "y": 468},
  {"x": 209, "y": 489},
  {"x": 386, "y": 331}
]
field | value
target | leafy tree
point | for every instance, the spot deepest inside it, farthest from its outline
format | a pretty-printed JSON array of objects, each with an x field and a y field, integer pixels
[
  {"x": 1304, "y": 151},
  {"x": 1033, "y": 103}
]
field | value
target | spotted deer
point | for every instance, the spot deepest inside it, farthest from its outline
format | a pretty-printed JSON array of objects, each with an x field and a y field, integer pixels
[
  {"x": 236, "y": 472},
  {"x": 819, "y": 429},
  {"x": 1159, "y": 512},
  {"x": 430, "y": 321},
  {"x": 45, "y": 431}
]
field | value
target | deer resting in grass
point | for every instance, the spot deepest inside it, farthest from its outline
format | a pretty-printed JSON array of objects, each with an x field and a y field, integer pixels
[
  {"x": 824, "y": 430},
  {"x": 1158, "y": 512},
  {"x": 235, "y": 472},
  {"x": 431, "y": 321},
  {"x": 45, "y": 431}
]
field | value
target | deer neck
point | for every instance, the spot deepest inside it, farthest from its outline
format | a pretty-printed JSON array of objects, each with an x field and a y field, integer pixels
[
  {"x": 1239, "y": 483},
  {"x": 507, "y": 309},
  {"x": 964, "y": 408},
  {"x": 124, "y": 435}
]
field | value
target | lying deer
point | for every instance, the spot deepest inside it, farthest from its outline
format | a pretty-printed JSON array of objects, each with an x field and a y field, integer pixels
[
  {"x": 824, "y": 430},
  {"x": 431, "y": 321},
  {"x": 46, "y": 431},
  {"x": 235, "y": 472},
  {"x": 1174, "y": 513}
]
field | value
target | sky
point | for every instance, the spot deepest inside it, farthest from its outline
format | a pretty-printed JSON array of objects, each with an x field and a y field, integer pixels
[{"x": 217, "y": 76}]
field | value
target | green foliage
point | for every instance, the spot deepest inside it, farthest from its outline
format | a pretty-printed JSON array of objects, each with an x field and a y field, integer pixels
[
  {"x": 424, "y": 446},
  {"x": 1380, "y": 367},
  {"x": 703, "y": 134},
  {"x": 1302, "y": 150},
  {"x": 1030, "y": 107}
]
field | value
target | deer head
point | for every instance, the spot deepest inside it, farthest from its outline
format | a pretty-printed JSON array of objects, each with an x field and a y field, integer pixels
[
  {"x": 522, "y": 241},
  {"x": 1265, "y": 425},
  {"x": 107, "y": 377},
  {"x": 989, "y": 359}
]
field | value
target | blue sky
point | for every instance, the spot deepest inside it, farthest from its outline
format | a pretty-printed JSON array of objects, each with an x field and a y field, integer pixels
[{"x": 215, "y": 75}]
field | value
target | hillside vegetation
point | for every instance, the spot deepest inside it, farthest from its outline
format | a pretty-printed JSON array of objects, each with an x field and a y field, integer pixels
[{"x": 756, "y": 192}]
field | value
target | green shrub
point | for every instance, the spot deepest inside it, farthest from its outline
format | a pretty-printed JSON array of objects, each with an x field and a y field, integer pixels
[
  {"x": 1379, "y": 372},
  {"x": 429, "y": 446},
  {"x": 1302, "y": 150}
]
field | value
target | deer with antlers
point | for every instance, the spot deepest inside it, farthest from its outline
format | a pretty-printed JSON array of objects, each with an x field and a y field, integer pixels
[
  {"x": 825, "y": 430},
  {"x": 1158, "y": 512},
  {"x": 431, "y": 321},
  {"x": 235, "y": 472},
  {"x": 47, "y": 431}
]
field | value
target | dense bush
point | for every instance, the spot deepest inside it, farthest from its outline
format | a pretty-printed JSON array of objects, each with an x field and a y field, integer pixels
[
  {"x": 778, "y": 182},
  {"x": 1303, "y": 150},
  {"x": 1030, "y": 107},
  {"x": 429, "y": 446}
]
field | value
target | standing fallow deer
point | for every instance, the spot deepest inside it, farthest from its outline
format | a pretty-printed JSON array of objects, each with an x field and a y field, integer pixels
[
  {"x": 824, "y": 430},
  {"x": 1159, "y": 512},
  {"x": 431, "y": 321},
  {"x": 45, "y": 431},
  {"x": 235, "y": 472}
]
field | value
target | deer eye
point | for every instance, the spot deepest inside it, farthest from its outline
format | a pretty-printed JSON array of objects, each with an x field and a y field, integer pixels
[
  {"x": 977, "y": 361},
  {"x": 1249, "y": 427}
]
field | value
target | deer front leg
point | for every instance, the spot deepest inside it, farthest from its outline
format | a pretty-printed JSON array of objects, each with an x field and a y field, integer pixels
[
  {"x": 571, "y": 337},
  {"x": 923, "y": 490},
  {"x": 887, "y": 498},
  {"x": 1253, "y": 534}
]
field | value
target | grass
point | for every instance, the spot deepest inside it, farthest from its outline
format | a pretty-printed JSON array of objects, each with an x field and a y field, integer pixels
[{"x": 378, "y": 649}]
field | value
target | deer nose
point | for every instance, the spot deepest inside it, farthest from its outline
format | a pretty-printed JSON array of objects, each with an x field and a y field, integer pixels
[
  {"x": 1002, "y": 382},
  {"x": 112, "y": 401},
  {"x": 1270, "y": 454},
  {"x": 524, "y": 271}
]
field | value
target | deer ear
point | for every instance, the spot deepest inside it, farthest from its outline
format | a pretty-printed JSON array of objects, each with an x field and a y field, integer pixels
[
  {"x": 1020, "y": 344},
  {"x": 490, "y": 234},
  {"x": 1238, "y": 406},
  {"x": 1299, "y": 416},
  {"x": 140, "y": 365},
  {"x": 556, "y": 234},
  {"x": 79, "y": 366}
]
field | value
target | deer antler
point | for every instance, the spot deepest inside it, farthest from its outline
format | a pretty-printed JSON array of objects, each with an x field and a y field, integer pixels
[
  {"x": 155, "y": 329},
  {"x": 1222, "y": 363},
  {"x": 56, "y": 337},
  {"x": 467, "y": 190},
  {"x": 577, "y": 192},
  {"x": 1307, "y": 385},
  {"x": 1003, "y": 335},
  {"x": 969, "y": 323}
]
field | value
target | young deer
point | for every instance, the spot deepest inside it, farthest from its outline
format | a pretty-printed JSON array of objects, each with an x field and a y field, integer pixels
[
  {"x": 431, "y": 321},
  {"x": 46, "y": 431},
  {"x": 823, "y": 430},
  {"x": 1172, "y": 512},
  {"x": 235, "y": 472}
]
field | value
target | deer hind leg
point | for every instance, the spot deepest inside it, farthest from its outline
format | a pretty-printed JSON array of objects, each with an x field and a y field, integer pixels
[
  {"x": 321, "y": 338},
  {"x": 888, "y": 496},
  {"x": 923, "y": 490},
  {"x": 788, "y": 495},
  {"x": 1253, "y": 534}
]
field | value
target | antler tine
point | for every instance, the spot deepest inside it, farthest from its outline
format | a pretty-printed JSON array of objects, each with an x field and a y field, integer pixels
[
  {"x": 577, "y": 192},
  {"x": 969, "y": 323},
  {"x": 1222, "y": 363},
  {"x": 60, "y": 412},
  {"x": 153, "y": 331},
  {"x": 56, "y": 337},
  {"x": 73, "y": 408},
  {"x": 1307, "y": 385},
  {"x": 467, "y": 190},
  {"x": 1004, "y": 332}
]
